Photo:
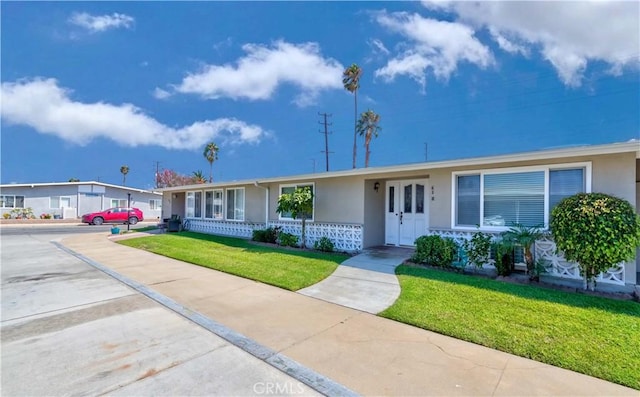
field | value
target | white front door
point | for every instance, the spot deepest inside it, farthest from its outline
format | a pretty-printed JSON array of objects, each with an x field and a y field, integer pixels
[{"x": 407, "y": 211}]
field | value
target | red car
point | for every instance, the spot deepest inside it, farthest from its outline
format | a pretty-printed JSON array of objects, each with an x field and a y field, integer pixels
[{"x": 114, "y": 215}]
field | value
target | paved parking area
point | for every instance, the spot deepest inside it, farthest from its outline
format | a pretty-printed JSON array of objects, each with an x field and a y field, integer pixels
[{"x": 69, "y": 329}]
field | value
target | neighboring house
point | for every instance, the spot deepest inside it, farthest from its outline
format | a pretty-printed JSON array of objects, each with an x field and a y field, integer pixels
[
  {"x": 394, "y": 205},
  {"x": 73, "y": 199}
]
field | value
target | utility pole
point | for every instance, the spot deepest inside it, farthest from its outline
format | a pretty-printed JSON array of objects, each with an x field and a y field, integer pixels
[
  {"x": 426, "y": 147},
  {"x": 314, "y": 165},
  {"x": 326, "y": 137},
  {"x": 157, "y": 173}
]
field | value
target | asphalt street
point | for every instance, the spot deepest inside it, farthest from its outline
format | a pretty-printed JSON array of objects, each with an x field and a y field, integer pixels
[{"x": 69, "y": 329}]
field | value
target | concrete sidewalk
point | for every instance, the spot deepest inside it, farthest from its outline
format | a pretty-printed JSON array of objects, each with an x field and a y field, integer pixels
[
  {"x": 364, "y": 282},
  {"x": 365, "y": 353}
]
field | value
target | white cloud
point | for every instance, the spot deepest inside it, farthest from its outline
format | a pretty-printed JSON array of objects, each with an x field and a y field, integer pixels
[
  {"x": 100, "y": 23},
  {"x": 257, "y": 75},
  {"x": 569, "y": 34},
  {"x": 159, "y": 93},
  {"x": 436, "y": 45},
  {"x": 46, "y": 107},
  {"x": 378, "y": 46}
]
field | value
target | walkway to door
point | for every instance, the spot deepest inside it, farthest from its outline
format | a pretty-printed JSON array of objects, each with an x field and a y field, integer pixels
[{"x": 364, "y": 282}]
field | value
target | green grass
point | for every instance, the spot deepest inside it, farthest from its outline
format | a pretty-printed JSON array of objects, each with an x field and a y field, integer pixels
[
  {"x": 141, "y": 229},
  {"x": 588, "y": 334},
  {"x": 289, "y": 269}
]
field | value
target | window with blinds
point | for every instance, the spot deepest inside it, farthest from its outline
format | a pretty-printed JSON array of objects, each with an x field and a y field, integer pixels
[{"x": 492, "y": 199}]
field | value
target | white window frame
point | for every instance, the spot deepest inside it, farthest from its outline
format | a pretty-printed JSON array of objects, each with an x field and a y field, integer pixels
[
  {"x": 14, "y": 200},
  {"x": 482, "y": 172},
  {"x": 213, "y": 204},
  {"x": 297, "y": 185},
  {"x": 60, "y": 198},
  {"x": 119, "y": 203},
  {"x": 155, "y": 204},
  {"x": 186, "y": 204},
  {"x": 225, "y": 203}
]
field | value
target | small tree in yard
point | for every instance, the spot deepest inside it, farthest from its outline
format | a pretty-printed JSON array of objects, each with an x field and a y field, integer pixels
[
  {"x": 595, "y": 230},
  {"x": 299, "y": 204}
]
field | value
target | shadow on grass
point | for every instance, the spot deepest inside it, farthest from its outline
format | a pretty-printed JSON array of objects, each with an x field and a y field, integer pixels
[
  {"x": 524, "y": 291},
  {"x": 248, "y": 246}
]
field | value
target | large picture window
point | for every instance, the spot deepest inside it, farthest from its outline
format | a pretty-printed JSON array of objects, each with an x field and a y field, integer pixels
[
  {"x": 527, "y": 195},
  {"x": 11, "y": 201},
  {"x": 194, "y": 204},
  {"x": 288, "y": 189},
  {"x": 235, "y": 204}
]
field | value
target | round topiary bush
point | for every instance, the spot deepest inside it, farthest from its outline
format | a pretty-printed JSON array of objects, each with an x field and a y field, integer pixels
[{"x": 595, "y": 230}]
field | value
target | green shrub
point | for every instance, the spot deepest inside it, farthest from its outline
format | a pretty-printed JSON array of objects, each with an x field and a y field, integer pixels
[
  {"x": 268, "y": 235},
  {"x": 324, "y": 244},
  {"x": 478, "y": 248},
  {"x": 287, "y": 239},
  {"x": 258, "y": 235},
  {"x": 504, "y": 257},
  {"x": 595, "y": 230},
  {"x": 435, "y": 250}
]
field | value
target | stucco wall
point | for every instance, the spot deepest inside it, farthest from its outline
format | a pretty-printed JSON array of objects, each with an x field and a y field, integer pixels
[
  {"x": 336, "y": 199},
  {"x": 38, "y": 199},
  {"x": 373, "y": 230}
]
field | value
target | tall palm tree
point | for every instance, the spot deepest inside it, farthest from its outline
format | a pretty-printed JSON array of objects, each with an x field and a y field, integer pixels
[
  {"x": 368, "y": 128},
  {"x": 124, "y": 170},
  {"x": 351, "y": 82},
  {"x": 211, "y": 154}
]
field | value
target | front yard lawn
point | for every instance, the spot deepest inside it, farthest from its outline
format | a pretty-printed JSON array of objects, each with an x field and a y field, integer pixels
[
  {"x": 285, "y": 268},
  {"x": 588, "y": 334}
]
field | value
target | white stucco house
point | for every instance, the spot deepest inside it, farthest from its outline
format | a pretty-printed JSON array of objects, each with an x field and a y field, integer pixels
[
  {"x": 73, "y": 199},
  {"x": 394, "y": 205}
]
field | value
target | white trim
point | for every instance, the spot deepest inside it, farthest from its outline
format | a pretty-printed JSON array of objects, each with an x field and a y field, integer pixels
[
  {"x": 186, "y": 204},
  {"x": 226, "y": 203},
  {"x": 297, "y": 185},
  {"x": 32, "y": 185},
  {"x": 14, "y": 200},
  {"x": 213, "y": 204},
  {"x": 586, "y": 165},
  {"x": 156, "y": 205}
]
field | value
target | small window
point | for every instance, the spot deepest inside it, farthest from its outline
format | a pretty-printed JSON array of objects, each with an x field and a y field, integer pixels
[
  {"x": 392, "y": 197},
  {"x": 155, "y": 204},
  {"x": 59, "y": 202},
  {"x": 194, "y": 204},
  {"x": 419, "y": 198},
  {"x": 11, "y": 201},
  {"x": 118, "y": 202},
  {"x": 288, "y": 189},
  {"x": 235, "y": 204}
]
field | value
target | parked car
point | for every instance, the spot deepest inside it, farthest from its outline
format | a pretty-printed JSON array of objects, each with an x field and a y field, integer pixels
[{"x": 114, "y": 215}]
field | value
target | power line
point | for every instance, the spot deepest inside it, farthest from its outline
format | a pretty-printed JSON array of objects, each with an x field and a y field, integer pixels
[{"x": 326, "y": 137}]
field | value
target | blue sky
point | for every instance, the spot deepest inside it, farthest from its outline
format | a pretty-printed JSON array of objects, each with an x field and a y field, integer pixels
[{"x": 90, "y": 86}]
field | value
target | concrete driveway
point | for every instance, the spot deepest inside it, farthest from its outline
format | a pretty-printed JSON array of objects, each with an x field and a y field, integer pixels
[{"x": 68, "y": 329}]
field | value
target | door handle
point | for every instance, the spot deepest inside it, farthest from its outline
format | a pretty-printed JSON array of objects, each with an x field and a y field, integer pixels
[{"x": 401, "y": 217}]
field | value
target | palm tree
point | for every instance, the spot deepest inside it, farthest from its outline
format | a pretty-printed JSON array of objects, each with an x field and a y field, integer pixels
[
  {"x": 211, "y": 154},
  {"x": 198, "y": 177},
  {"x": 351, "y": 82},
  {"x": 124, "y": 170},
  {"x": 368, "y": 128}
]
